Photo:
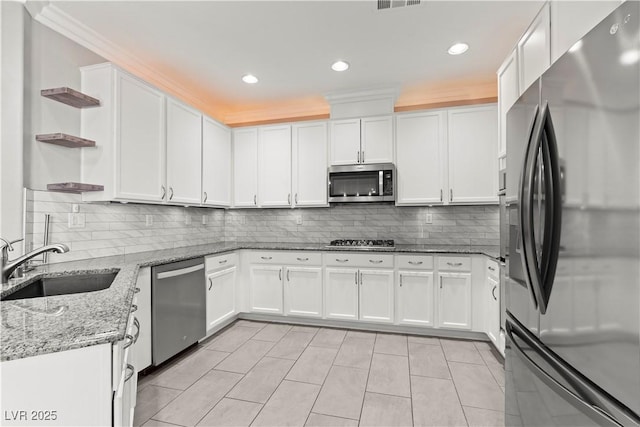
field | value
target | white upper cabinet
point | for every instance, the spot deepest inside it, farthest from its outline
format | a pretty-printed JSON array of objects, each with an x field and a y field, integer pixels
[
  {"x": 376, "y": 140},
  {"x": 274, "y": 166},
  {"x": 245, "y": 167},
  {"x": 368, "y": 140},
  {"x": 129, "y": 130},
  {"x": 473, "y": 166},
  {"x": 345, "y": 142},
  {"x": 216, "y": 163},
  {"x": 184, "y": 153},
  {"x": 309, "y": 172},
  {"x": 508, "y": 93},
  {"x": 571, "y": 20},
  {"x": 534, "y": 49},
  {"x": 420, "y": 160}
]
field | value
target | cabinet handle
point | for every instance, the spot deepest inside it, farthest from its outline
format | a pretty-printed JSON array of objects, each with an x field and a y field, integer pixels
[
  {"x": 289, "y": 198},
  {"x": 358, "y": 156},
  {"x": 255, "y": 199},
  {"x": 303, "y": 259},
  {"x": 136, "y": 290},
  {"x": 440, "y": 282},
  {"x": 224, "y": 261},
  {"x": 280, "y": 274},
  {"x": 296, "y": 198},
  {"x": 205, "y": 197},
  {"x": 170, "y": 193},
  {"x": 356, "y": 278},
  {"x": 415, "y": 262},
  {"x": 164, "y": 192},
  {"x": 451, "y": 194},
  {"x": 360, "y": 278},
  {"x": 342, "y": 260},
  {"x": 136, "y": 323},
  {"x": 210, "y": 283},
  {"x": 441, "y": 194},
  {"x": 492, "y": 268},
  {"x": 400, "y": 280},
  {"x": 134, "y": 308},
  {"x": 493, "y": 292},
  {"x": 132, "y": 370},
  {"x": 288, "y": 280},
  {"x": 375, "y": 261},
  {"x": 362, "y": 156},
  {"x": 266, "y": 257},
  {"x": 454, "y": 264}
]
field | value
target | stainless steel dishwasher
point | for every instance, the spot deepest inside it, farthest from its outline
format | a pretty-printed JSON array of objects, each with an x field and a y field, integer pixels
[{"x": 178, "y": 307}]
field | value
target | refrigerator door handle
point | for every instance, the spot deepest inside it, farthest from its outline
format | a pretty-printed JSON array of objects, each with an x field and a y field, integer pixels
[{"x": 594, "y": 412}]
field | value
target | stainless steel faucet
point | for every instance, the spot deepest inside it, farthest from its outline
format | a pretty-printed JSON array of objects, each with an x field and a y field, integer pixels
[{"x": 8, "y": 267}]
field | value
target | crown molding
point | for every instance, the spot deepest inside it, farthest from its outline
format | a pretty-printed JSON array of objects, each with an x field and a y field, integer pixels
[
  {"x": 48, "y": 14},
  {"x": 275, "y": 112},
  {"x": 363, "y": 95}
]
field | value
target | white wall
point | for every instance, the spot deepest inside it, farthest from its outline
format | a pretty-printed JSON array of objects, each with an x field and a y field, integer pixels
[
  {"x": 51, "y": 60},
  {"x": 12, "y": 19}
]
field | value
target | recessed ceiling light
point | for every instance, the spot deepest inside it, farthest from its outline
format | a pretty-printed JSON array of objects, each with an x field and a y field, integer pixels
[
  {"x": 630, "y": 57},
  {"x": 249, "y": 78},
  {"x": 458, "y": 48},
  {"x": 339, "y": 66}
]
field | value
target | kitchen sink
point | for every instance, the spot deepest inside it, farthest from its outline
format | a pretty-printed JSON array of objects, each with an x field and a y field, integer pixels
[{"x": 63, "y": 285}]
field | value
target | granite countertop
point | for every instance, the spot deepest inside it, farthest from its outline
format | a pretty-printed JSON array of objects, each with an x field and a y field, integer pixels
[{"x": 50, "y": 324}]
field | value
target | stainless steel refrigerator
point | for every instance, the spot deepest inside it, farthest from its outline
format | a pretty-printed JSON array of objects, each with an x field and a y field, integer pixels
[{"x": 573, "y": 264}]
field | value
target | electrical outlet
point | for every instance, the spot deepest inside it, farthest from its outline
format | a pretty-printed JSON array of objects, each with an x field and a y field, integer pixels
[
  {"x": 76, "y": 220},
  {"x": 204, "y": 220},
  {"x": 299, "y": 220},
  {"x": 148, "y": 220},
  {"x": 187, "y": 220},
  {"x": 75, "y": 208},
  {"x": 428, "y": 219}
]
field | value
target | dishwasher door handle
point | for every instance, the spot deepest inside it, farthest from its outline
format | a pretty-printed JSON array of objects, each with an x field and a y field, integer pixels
[{"x": 180, "y": 272}]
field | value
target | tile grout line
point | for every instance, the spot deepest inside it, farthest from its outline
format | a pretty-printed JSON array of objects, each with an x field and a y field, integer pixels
[
  {"x": 456, "y": 389},
  {"x": 410, "y": 386},
  {"x": 366, "y": 384}
]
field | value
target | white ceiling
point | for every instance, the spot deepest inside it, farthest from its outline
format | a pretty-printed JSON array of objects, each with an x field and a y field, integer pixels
[{"x": 206, "y": 46}]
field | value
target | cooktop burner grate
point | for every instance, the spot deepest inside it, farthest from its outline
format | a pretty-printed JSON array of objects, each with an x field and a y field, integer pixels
[{"x": 364, "y": 243}]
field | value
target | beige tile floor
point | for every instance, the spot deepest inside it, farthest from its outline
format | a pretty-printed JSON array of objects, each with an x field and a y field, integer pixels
[{"x": 267, "y": 374}]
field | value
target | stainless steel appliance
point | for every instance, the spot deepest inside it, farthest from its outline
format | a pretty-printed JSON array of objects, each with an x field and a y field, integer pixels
[
  {"x": 573, "y": 265},
  {"x": 178, "y": 307},
  {"x": 362, "y": 243},
  {"x": 362, "y": 183}
]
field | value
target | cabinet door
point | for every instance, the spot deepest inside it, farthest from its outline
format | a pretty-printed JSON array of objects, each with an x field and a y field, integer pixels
[
  {"x": 376, "y": 296},
  {"x": 245, "y": 167},
  {"x": 376, "y": 140},
  {"x": 508, "y": 93},
  {"x": 216, "y": 163},
  {"x": 473, "y": 165},
  {"x": 274, "y": 166},
  {"x": 492, "y": 312},
  {"x": 534, "y": 49},
  {"x": 571, "y": 20},
  {"x": 419, "y": 158},
  {"x": 310, "y": 164},
  {"x": 303, "y": 291},
  {"x": 266, "y": 288},
  {"x": 221, "y": 296},
  {"x": 454, "y": 300},
  {"x": 184, "y": 153},
  {"x": 140, "y": 140},
  {"x": 415, "y": 298},
  {"x": 341, "y": 293},
  {"x": 345, "y": 142}
]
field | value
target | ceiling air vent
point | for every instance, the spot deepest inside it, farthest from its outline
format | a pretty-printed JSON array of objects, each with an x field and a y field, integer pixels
[{"x": 392, "y": 4}]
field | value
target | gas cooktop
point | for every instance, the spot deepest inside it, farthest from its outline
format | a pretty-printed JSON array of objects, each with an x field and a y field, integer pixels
[{"x": 363, "y": 244}]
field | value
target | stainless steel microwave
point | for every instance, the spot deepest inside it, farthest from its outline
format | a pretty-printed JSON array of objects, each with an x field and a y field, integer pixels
[{"x": 362, "y": 183}]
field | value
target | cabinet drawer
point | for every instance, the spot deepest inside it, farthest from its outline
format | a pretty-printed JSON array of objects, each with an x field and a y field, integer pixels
[
  {"x": 454, "y": 263},
  {"x": 350, "y": 259},
  {"x": 285, "y": 257},
  {"x": 493, "y": 269},
  {"x": 419, "y": 262},
  {"x": 220, "y": 261}
]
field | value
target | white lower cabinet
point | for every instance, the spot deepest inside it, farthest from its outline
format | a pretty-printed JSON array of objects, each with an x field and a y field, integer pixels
[
  {"x": 266, "y": 288},
  {"x": 376, "y": 296},
  {"x": 341, "y": 293},
  {"x": 221, "y": 296},
  {"x": 454, "y": 300},
  {"x": 303, "y": 291},
  {"x": 415, "y": 298},
  {"x": 141, "y": 358},
  {"x": 492, "y": 313}
]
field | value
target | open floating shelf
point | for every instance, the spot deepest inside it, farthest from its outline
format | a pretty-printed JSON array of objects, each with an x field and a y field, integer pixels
[
  {"x": 65, "y": 140},
  {"x": 74, "y": 187},
  {"x": 71, "y": 97}
]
